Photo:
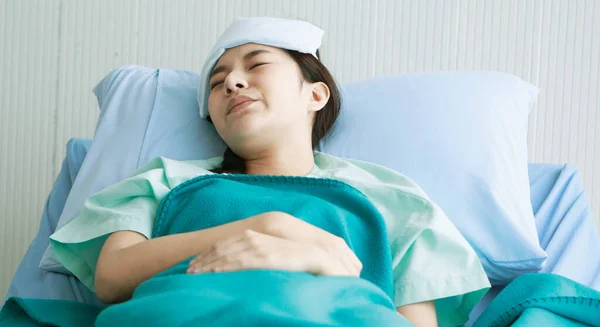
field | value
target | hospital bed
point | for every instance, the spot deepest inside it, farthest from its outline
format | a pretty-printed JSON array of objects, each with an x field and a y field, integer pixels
[
  {"x": 563, "y": 220},
  {"x": 566, "y": 228}
]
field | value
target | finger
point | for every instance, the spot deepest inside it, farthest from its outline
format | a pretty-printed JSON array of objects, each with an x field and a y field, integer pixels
[
  {"x": 216, "y": 250},
  {"x": 201, "y": 268},
  {"x": 231, "y": 246},
  {"x": 233, "y": 261},
  {"x": 224, "y": 252},
  {"x": 253, "y": 260},
  {"x": 355, "y": 268},
  {"x": 194, "y": 259},
  {"x": 245, "y": 255},
  {"x": 357, "y": 262},
  {"x": 344, "y": 253},
  {"x": 250, "y": 264},
  {"x": 352, "y": 260}
]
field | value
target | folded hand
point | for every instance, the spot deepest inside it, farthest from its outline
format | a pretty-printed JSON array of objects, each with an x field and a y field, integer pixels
[{"x": 254, "y": 250}]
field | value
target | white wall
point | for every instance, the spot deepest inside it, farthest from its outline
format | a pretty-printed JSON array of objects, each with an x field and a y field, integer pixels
[{"x": 52, "y": 52}]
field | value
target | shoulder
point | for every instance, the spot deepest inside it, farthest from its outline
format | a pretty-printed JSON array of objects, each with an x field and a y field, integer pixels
[
  {"x": 366, "y": 175},
  {"x": 402, "y": 203},
  {"x": 173, "y": 172},
  {"x": 173, "y": 164}
]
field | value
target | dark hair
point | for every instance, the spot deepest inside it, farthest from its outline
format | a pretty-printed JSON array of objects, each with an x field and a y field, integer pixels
[{"x": 312, "y": 70}]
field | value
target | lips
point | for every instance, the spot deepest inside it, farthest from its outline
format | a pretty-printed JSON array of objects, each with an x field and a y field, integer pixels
[{"x": 238, "y": 100}]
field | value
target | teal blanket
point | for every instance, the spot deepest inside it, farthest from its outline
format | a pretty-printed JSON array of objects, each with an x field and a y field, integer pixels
[
  {"x": 267, "y": 297},
  {"x": 282, "y": 298},
  {"x": 530, "y": 300},
  {"x": 543, "y": 300},
  {"x": 264, "y": 297}
]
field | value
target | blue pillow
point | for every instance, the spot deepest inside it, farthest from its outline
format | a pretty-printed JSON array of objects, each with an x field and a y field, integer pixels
[
  {"x": 460, "y": 135},
  {"x": 31, "y": 282},
  {"x": 144, "y": 113}
]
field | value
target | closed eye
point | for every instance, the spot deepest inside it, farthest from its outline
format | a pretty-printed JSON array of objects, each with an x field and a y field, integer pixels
[{"x": 217, "y": 83}]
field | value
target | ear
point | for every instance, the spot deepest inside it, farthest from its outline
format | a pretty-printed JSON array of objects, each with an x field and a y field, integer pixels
[{"x": 319, "y": 96}]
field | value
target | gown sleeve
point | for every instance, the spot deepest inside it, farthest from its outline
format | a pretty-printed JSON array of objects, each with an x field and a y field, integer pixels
[
  {"x": 431, "y": 259},
  {"x": 130, "y": 204}
]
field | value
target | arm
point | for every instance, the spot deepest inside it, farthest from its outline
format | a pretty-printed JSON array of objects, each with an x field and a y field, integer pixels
[
  {"x": 420, "y": 314},
  {"x": 127, "y": 258}
]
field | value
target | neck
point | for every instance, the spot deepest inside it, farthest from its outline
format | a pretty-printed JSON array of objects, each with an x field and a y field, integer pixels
[{"x": 288, "y": 161}]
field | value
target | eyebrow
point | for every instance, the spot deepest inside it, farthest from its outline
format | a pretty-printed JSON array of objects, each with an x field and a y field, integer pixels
[{"x": 246, "y": 57}]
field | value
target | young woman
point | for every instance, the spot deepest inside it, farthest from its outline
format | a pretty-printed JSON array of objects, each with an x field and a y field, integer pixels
[{"x": 272, "y": 106}]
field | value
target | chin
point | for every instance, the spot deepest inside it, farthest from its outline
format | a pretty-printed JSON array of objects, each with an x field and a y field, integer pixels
[{"x": 241, "y": 130}]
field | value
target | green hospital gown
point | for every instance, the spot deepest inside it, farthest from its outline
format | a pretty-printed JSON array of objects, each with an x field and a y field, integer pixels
[{"x": 431, "y": 260}]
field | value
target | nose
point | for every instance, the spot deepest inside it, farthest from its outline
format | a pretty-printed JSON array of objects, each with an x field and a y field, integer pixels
[{"x": 235, "y": 81}]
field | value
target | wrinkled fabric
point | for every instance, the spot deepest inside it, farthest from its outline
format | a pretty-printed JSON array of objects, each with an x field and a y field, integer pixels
[{"x": 431, "y": 260}]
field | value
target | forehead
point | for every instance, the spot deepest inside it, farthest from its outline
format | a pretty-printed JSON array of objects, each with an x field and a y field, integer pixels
[
  {"x": 244, "y": 52},
  {"x": 241, "y": 50}
]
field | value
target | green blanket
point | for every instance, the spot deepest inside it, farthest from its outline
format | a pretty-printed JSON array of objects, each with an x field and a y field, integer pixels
[
  {"x": 530, "y": 300},
  {"x": 263, "y": 297},
  {"x": 40, "y": 312},
  {"x": 282, "y": 298},
  {"x": 543, "y": 300},
  {"x": 267, "y": 297}
]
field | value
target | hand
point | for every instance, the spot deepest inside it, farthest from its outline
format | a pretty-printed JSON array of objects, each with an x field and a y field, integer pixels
[
  {"x": 254, "y": 250},
  {"x": 340, "y": 259}
]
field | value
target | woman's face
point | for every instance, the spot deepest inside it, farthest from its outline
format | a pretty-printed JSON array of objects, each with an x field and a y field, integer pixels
[{"x": 282, "y": 105}]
